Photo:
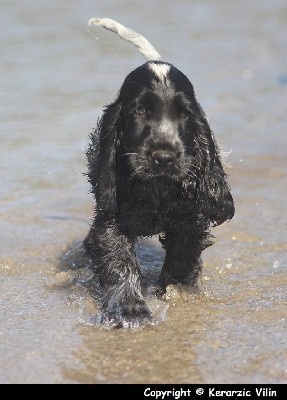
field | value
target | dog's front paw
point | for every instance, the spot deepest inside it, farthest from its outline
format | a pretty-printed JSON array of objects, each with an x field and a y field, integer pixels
[
  {"x": 126, "y": 315},
  {"x": 160, "y": 286},
  {"x": 165, "y": 281}
]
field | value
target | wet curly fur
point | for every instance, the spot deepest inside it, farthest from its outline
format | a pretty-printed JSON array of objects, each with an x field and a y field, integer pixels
[{"x": 154, "y": 168}]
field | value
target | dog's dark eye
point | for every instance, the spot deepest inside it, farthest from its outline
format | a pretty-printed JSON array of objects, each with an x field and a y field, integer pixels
[
  {"x": 140, "y": 111},
  {"x": 184, "y": 113}
]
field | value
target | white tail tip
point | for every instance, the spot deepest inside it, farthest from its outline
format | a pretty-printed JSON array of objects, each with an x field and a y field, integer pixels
[{"x": 144, "y": 46}]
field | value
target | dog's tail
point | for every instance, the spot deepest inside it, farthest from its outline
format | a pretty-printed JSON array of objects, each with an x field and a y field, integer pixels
[{"x": 144, "y": 46}]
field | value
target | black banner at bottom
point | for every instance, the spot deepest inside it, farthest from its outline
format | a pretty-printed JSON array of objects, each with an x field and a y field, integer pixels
[
  {"x": 172, "y": 391},
  {"x": 193, "y": 391}
]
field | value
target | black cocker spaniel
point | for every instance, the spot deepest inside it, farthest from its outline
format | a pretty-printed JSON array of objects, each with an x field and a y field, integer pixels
[{"x": 155, "y": 169}]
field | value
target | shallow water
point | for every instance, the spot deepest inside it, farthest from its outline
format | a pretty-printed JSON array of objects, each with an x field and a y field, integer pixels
[{"x": 55, "y": 78}]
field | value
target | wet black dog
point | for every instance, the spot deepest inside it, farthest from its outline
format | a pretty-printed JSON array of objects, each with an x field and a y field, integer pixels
[{"x": 155, "y": 168}]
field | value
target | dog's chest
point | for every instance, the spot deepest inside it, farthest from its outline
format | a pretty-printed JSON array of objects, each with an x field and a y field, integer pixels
[
  {"x": 160, "y": 196},
  {"x": 147, "y": 208}
]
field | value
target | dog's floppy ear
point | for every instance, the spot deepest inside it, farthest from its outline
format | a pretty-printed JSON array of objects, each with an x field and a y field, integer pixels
[
  {"x": 101, "y": 156},
  {"x": 213, "y": 196}
]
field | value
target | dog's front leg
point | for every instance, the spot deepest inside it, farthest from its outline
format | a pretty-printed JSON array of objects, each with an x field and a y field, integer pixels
[
  {"x": 184, "y": 242},
  {"x": 115, "y": 261}
]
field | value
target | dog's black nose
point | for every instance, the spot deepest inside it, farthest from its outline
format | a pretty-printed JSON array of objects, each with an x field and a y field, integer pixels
[{"x": 163, "y": 157}]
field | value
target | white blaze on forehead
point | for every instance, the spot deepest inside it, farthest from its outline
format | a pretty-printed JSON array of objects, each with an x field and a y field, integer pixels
[{"x": 160, "y": 70}]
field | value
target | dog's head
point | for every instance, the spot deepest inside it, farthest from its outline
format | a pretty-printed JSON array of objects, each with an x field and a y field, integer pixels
[
  {"x": 157, "y": 109},
  {"x": 158, "y": 126}
]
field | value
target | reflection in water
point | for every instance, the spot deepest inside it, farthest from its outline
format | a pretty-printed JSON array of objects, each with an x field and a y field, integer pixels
[{"x": 55, "y": 79}]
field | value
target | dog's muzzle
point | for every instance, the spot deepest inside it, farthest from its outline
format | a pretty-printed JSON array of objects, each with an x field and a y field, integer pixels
[{"x": 163, "y": 158}]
